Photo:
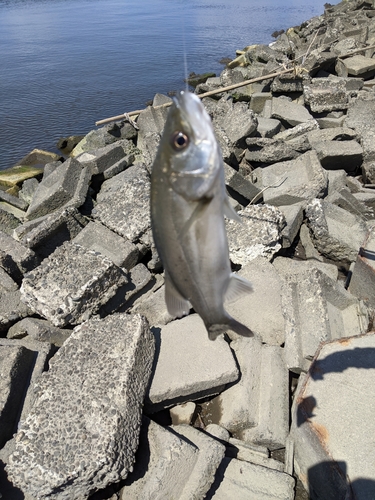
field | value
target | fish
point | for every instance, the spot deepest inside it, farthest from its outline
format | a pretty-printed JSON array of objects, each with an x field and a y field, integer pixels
[{"x": 188, "y": 205}]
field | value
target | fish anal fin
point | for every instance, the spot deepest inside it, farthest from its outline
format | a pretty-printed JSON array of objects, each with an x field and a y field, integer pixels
[
  {"x": 177, "y": 306},
  {"x": 229, "y": 211},
  {"x": 237, "y": 287}
]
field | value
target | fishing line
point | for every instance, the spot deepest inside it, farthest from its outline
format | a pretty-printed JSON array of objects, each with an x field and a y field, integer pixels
[{"x": 185, "y": 55}]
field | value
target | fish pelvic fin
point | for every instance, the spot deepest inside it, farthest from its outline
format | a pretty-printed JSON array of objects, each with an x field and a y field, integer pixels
[
  {"x": 177, "y": 305},
  {"x": 237, "y": 287},
  {"x": 230, "y": 324}
]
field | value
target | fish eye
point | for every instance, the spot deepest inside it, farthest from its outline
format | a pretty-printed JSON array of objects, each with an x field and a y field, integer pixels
[{"x": 179, "y": 141}]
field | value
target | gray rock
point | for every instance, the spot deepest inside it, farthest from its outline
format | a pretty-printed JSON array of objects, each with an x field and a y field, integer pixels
[
  {"x": 15, "y": 258},
  {"x": 153, "y": 306},
  {"x": 38, "y": 329},
  {"x": 183, "y": 414},
  {"x": 236, "y": 120},
  {"x": 239, "y": 479},
  {"x": 346, "y": 200},
  {"x": 331, "y": 462},
  {"x": 100, "y": 239},
  {"x": 151, "y": 123},
  {"x": 269, "y": 151},
  {"x": 299, "y": 130},
  {"x": 123, "y": 203},
  {"x": 71, "y": 284},
  {"x": 45, "y": 234},
  {"x": 347, "y": 155},
  {"x": 357, "y": 65},
  {"x": 316, "y": 309},
  {"x": 249, "y": 452},
  {"x": 336, "y": 180},
  {"x": 82, "y": 435},
  {"x": 258, "y": 100},
  {"x": 289, "y": 112},
  {"x": 296, "y": 180},
  {"x": 29, "y": 186},
  {"x": 324, "y": 94},
  {"x": 258, "y": 235},
  {"x": 65, "y": 186},
  {"x": 363, "y": 276},
  {"x": 287, "y": 83},
  {"x": 199, "y": 366},
  {"x": 100, "y": 160},
  {"x": 268, "y": 127},
  {"x": 11, "y": 307},
  {"x": 293, "y": 216},
  {"x": 164, "y": 463},
  {"x": 13, "y": 200},
  {"x": 240, "y": 184},
  {"x": 10, "y": 218},
  {"x": 337, "y": 233}
]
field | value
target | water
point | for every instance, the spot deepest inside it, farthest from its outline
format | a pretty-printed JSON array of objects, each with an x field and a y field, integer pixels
[{"x": 68, "y": 63}]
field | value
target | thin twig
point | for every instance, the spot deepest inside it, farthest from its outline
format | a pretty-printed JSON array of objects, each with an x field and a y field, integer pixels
[{"x": 258, "y": 195}]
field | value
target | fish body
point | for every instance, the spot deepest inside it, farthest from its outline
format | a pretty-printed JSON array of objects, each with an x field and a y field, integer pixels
[{"x": 188, "y": 203}]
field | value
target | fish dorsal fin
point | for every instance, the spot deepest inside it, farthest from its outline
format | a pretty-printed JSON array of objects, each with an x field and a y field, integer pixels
[
  {"x": 237, "y": 287},
  {"x": 177, "y": 306},
  {"x": 229, "y": 211}
]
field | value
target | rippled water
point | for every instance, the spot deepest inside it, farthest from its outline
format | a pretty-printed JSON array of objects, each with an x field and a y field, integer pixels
[{"x": 67, "y": 63}]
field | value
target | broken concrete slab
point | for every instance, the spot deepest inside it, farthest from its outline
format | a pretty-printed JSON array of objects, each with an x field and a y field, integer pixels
[
  {"x": 347, "y": 155},
  {"x": 240, "y": 184},
  {"x": 288, "y": 111},
  {"x": 324, "y": 94},
  {"x": 15, "y": 258},
  {"x": 100, "y": 239},
  {"x": 183, "y": 414},
  {"x": 71, "y": 284},
  {"x": 258, "y": 235},
  {"x": 345, "y": 199},
  {"x": 123, "y": 203},
  {"x": 210, "y": 455},
  {"x": 235, "y": 119},
  {"x": 163, "y": 465},
  {"x": 184, "y": 350},
  {"x": 357, "y": 65},
  {"x": 239, "y": 479},
  {"x": 296, "y": 180},
  {"x": 331, "y": 462},
  {"x": 103, "y": 159},
  {"x": 269, "y": 151},
  {"x": 153, "y": 306},
  {"x": 268, "y": 127},
  {"x": 249, "y": 452},
  {"x": 66, "y": 186},
  {"x": 266, "y": 296},
  {"x": 12, "y": 309},
  {"x": 317, "y": 309},
  {"x": 10, "y": 217},
  {"x": 16, "y": 175},
  {"x": 40, "y": 330},
  {"x": 362, "y": 281},
  {"x": 299, "y": 130},
  {"x": 293, "y": 216},
  {"x": 82, "y": 436},
  {"x": 337, "y": 233}
]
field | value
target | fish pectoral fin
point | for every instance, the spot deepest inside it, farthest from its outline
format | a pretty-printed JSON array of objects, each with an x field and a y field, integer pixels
[
  {"x": 177, "y": 306},
  {"x": 196, "y": 214},
  {"x": 237, "y": 287},
  {"x": 229, "y": 211}
]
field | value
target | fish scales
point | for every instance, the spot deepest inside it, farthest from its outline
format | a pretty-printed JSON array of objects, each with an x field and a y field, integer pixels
[{"x": 188, "y": 203}]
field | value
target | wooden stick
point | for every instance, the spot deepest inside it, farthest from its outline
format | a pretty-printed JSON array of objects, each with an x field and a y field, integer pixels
[{"x": 201, "y": 96}]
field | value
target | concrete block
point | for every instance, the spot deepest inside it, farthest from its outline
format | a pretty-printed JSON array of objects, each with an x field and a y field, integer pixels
[
  {"x": 45, "y": 234},
  {"x": 102, "y": 159},
  {"x": 153, "y": 307},
  {"x": 13, "y": 200},
  {"x": 240, "y": 184},
  {"x": 361, "y": 114},
  {"x": 164, "y": 463},
  {"x": 258, "y": 235},
  {"x": 269, "y": 151},
  {"x": 295, "y": 180},
  {"x": 297, "y": 131},
  {"x": 66, "y": 186},
  {"x": 100, "y": 239},
  {"x": 266, "y": 297},
  {"x": 210, "y": 455},
  {"x": 15, "y": 258},
  {"x": 343, "y": 198},
  {"x": 183, "y": 414},
  {"x": 359, "y": 65},
  {"x": 10, "y": 217},
  {"x": 235, "y": 119},
  {"x": 347, "y": 155},
  {"x": 268, "y": 127},
  {"x": 336, "y": 233},
  {"x": 336, "y": 180},
  {"x": 255, "y": 454},
  {"x": 82, "y": 431},
  {"x": 286, "y": 266},
  {"x": 238, "y": 479},
  {"x": 362, "y": 281},
  {"x": 71, "y": 284},
  {"x": 317, "y": 309},
  {"x": 39, "y": 330},
  {"x": 288, "y": 111},
  {"x": 258, "y": 100},
  {"x": 11, "y": 307},
  {"x": 337, "y": 395},
  {"x": 287, "y": 83},
  {"x": 218, "y": 432},
  {"x": 189, "y": 366},
  {"x": 123, "y": 203},
  {"x": 293, "y": 216},
  {"x": 324, "y": 94}
]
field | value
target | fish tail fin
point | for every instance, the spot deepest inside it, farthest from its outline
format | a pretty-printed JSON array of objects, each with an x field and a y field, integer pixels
[{"x": 229, "y": 323}]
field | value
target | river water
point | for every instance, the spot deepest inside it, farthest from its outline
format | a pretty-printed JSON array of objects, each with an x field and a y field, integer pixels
[{"x": 68, "y": 63}]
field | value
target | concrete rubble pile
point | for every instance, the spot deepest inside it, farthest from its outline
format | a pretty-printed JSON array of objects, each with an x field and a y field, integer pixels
[{"x": 104, "y": 396}]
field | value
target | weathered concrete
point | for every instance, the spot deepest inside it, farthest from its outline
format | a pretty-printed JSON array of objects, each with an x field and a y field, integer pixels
[
  {"x": 88, "y": 411},
  {"x": 183, "y": 414},
  {"x": 236, "y": 120},
  {"x": 258, "y": 235},
  {"x": 293, "y": 216},
  {"x": 15, "y": 258},
  {"x": 285, "y": 110},
  {"x": 336, "y": 396},
  {"x": 200, "y": 367},
  {"x": 362, "y": 282},
  {"x": 38, "y": 329},
  {"x": 11, "y": 307},
  {"x": 324, "y": 94},
  {"x": 295, "y": 180},
  {"x": 71, "y": 284}
]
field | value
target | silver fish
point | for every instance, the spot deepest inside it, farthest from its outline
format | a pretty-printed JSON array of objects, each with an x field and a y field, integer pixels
[{"x": 188, "y": 203}]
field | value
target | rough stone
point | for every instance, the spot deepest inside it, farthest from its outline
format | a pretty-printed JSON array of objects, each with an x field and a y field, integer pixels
[
  {"x": 252, "y": 453},
  {"x": 331, "y": 462},
  {"x": 154, "y": 307},
  {"x": 293, "y": 216},
  {"x": 164, "y": 463},
  {"x": 347, "y": 155},
  {"x": 269, "y": 151},
  {"x": 13, "y": 200},
  {"x": 100, "y": 160},
  {"x": 82, "y": 431},
  {"x": 11, "y": 307},
  {"x": 258, "y": 235},
  {"x": 240, "y": 184},
  {"x": 200, "y": 367},
  {"x": 16, "y": 175},
  {"x": 100, "y": 239},
  {"x": 123, "y": 203},
  {"x": 183, "y": 414},
  {"x": 268, "y": 127},
  {"x": 324, "y": 94},
  {"x": 289, "y": 112},
  {"x": 71, "y": 284},
  {"x": 358, "y": 65},
  {"x": 363, "y": 275},
  {"x": 65, "y": 186},
  {"x": 345, "y": 199},
  {"x": 299, "y": 130},
  {"x": 336, "y": 233},
  {"x": 236, "y": 120},
  {"x": 29, "y": 186},
  {"x": 258, "y": 100},
  {"x": 38, "y": 329},
  {"x": 295, "y": 180}
]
